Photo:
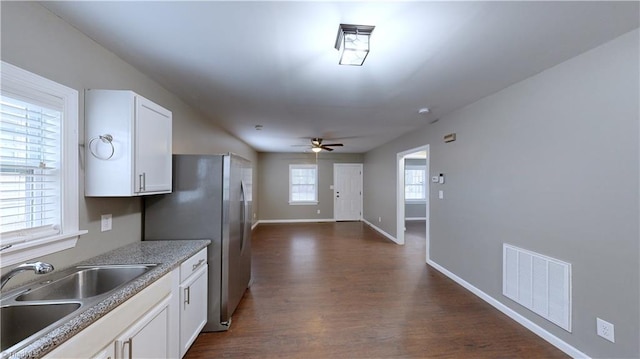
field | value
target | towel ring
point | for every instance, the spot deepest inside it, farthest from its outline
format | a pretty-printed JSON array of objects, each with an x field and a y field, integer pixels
[{"x": 106, "y": 138}]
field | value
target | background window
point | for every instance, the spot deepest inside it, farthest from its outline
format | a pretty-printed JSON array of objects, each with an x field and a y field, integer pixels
[
  {"x": 415, "y": 183},
  {"x": 303, "y": 184}
]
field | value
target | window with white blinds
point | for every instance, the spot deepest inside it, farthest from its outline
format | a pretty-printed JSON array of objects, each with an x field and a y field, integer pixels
[
  {"x": 303, "y": 184},
  {"x": 415, "y": 184},
  {"x": 29, "y": 169},
  {"x": 38, "y": 166}
]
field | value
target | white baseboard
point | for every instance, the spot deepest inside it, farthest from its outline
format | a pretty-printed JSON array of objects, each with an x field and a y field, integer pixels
[
  {"x": 380, "y": 231},
  {"x": 253, "y": 226},
  {"x": 415, "y": 219},
  {"x": 555, "y": 341},
  {"x": 296, "y": 220}
]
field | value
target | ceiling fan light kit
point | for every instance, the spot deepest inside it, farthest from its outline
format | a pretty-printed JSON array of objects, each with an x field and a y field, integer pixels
[
  {"x": 353, "y": 43},
  {"x": 317, "y": 146}
]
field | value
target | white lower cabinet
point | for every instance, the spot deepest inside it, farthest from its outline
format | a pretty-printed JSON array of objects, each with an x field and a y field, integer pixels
[
  {"x": 107, "y": 353},
  {"x": 148, "y": 338},
  {"x": 193, "y": 294},
  {"x": 193, "y": 308}
]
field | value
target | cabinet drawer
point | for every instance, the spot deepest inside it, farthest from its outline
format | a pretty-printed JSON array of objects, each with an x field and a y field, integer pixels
[{"x": 192, "y": 264}]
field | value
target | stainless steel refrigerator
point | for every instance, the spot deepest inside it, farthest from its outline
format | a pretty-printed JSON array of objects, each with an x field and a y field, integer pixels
[{"x": 211, "y": 199}]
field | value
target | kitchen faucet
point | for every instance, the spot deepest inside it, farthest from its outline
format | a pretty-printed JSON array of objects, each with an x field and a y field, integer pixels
[{"x": 36, "y": 267}]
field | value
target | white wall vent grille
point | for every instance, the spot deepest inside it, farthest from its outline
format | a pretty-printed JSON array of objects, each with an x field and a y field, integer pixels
[{"x": 540, "y": 283}]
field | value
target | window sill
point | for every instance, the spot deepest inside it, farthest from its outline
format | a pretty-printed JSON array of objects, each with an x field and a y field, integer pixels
[
  {"x": 22, "y": 252},
  {"x": 303, "y": 203}
]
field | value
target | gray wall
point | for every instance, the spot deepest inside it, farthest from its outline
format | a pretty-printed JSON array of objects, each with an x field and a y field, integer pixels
[
  {"x": 40, "y": 42},
  {"x": 274, "y": 180},
  {"x": 415, "y": 210},
  {"x": 550, "y": 164}
]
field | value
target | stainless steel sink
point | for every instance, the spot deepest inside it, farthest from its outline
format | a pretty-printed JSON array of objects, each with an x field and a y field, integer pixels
[
  {"x": 32, "y": 310},
  {"x": 22, "y": 321},
  {"x": 86, "y": 282}
]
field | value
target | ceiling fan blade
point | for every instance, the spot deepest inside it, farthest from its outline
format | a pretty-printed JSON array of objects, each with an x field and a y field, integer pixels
[
  {"x": 334, "y": 144},
  {"x": 326, "y": 148}
]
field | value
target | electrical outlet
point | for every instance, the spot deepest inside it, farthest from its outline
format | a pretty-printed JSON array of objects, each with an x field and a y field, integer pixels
[
  {"x": 605, "y": 330},
  {"x": 318, "y": 211},
  {"x": 105, "y": 223},
  {"x": 379, "y": 219}
]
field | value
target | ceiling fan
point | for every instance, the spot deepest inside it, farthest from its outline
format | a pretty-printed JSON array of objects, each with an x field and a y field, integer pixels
[{"x": 317, "y": 146}]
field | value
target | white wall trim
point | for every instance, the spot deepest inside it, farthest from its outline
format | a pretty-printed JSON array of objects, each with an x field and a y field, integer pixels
[
  {"x": 536, "y": 329},
  {"x": 395, "y": 240},
  {"x": 295, "y": 220},
  {"x": 415, "y": 219}
]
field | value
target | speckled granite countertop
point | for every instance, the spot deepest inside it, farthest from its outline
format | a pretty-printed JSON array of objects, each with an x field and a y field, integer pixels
[{"x": 168, "y": 255}]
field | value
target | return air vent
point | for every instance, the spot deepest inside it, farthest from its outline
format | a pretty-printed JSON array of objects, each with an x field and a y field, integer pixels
[{"x": 540, "y": 283}]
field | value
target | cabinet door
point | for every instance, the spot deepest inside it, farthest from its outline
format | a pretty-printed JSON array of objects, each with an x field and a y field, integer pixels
[
  {"x": 193, "y": 308},
  {"x": 107, "y": 353},
  {"x": 148, "y": 338},
  {"x": 152, "y": 147}
]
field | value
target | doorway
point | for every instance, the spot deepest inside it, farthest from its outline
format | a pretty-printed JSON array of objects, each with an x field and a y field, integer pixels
[
  {"x": 347, "y": 191},
  {"x": 413, "y": 192}
]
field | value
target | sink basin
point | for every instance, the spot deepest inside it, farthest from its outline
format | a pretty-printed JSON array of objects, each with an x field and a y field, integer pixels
[
  {"x": 21, "y": 321},
  {"x": 85, "y": 282}
]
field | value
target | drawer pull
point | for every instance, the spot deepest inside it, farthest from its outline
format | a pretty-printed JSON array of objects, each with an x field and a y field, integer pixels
[
  {"x": 130, "y": 344},
  {"x": 195, "y": 266},
  {"x": 187, "y": 296}
]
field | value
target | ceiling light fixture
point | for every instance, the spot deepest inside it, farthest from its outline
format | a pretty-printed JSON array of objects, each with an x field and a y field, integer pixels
[
  {"x": 316, "y": 149},
  {"x": 353, "y": 42}
]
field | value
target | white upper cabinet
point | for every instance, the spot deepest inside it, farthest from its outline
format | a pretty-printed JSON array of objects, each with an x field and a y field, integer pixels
[{"x": 127, "y": 145}]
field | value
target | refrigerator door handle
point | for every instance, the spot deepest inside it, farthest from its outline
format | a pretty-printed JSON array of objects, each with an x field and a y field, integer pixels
[{"x": 243, "y": 215}]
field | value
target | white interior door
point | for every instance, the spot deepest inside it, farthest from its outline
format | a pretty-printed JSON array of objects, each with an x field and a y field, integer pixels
[{"x": 347, "y": 191}]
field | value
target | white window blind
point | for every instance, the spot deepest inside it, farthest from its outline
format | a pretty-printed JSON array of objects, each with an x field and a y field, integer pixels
[
  {"x": 303, "y": 184},
  {"x": 29, "y": 169},
  {"x": 414, "y": 183}
]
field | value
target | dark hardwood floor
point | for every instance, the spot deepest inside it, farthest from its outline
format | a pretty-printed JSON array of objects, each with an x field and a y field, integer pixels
[{"x": 341, "y": 290}]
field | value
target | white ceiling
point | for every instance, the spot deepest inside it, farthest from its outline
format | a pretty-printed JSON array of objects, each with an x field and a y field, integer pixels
[{"x": 273, "y": 63}]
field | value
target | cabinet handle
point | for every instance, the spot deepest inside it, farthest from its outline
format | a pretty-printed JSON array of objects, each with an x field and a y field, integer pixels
[
  {"x": 195, "y": 266},
  {"x": 143, "y": 182},
  {"x": 130, "y": 343},
  {"x": 187, "y": 296}
]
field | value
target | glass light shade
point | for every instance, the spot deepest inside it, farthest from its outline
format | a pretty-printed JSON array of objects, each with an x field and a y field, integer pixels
[
  {"x": 355, "y": 48},
  {"x": 353, "y": 43},
  {"x": 316, "y": 149}
]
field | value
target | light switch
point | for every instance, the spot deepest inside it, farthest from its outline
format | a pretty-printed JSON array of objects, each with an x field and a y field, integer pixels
[
  {"x": 105, "y": 222},
  {"x": 441, "y": 194},
  {"x": 434, "y": 179}
]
